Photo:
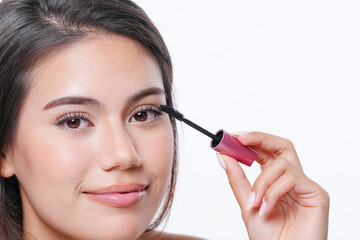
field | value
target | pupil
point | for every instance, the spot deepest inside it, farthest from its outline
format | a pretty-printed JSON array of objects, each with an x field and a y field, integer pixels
[
  {"x": 73, "y": 123},
  {"x": 141, "y": 116}
]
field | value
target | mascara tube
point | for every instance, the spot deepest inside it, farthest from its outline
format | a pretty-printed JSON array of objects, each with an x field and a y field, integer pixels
[{"x": 227, "y": 144}]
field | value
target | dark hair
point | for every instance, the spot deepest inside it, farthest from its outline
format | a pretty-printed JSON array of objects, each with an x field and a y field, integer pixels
[{"x": 29, "y": 31}]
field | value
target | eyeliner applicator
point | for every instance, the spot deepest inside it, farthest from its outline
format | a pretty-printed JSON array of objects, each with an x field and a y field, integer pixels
[{"x": 222, "y": 141}]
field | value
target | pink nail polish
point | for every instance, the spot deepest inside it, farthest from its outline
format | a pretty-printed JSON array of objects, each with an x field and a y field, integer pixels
[
  {"x": 221, "y": 161},
  {"x": 262, "y": 208},
  {"x": 251, "y": 200}
]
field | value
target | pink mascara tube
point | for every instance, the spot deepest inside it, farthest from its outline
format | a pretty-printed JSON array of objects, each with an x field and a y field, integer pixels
[{"x": 222, "y": 141}]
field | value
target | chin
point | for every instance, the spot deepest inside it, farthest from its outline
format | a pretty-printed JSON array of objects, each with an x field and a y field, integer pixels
[
  {"x": 122, "y": 226},
  {"x": 121, "y": 232}
]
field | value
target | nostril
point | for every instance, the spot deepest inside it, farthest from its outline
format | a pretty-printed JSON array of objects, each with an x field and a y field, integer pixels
[{"x": 125, "y": 160}]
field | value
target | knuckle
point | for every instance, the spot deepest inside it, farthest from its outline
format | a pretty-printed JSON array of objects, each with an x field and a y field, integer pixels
[
  {"x": 324, "y": 199},
  {"x": 325, "y": 194},
  {"x": 281, "y": 163},
  {"x": 288, "y": 143},
  {"x": 291, "y": 178},
  {"x": 259, "y": 184},
  {"x": 271, "y": 195}
]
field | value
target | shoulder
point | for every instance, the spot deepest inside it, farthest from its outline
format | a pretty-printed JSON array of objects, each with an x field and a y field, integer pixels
[{"x": 170, "y": 236}]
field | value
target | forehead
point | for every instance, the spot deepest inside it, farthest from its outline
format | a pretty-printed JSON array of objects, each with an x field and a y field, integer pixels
[{"x": 99, "y": 66}]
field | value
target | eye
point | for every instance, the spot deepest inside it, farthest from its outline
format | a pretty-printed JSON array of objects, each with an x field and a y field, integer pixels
[
  {"x": 145, "y": 114},
  {"x": 74, "y": 121}
]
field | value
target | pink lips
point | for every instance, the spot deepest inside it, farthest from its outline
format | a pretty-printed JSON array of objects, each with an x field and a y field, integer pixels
[{"x": 119, "y": 195}]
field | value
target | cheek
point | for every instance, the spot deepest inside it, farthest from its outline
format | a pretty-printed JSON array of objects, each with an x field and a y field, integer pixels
[
  {"x": 156, "y": 149},
  {"x": 45, "y": 161}
]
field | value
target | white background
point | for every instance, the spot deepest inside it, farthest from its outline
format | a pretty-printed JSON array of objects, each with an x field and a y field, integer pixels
[{"x": 290, "y": 68}]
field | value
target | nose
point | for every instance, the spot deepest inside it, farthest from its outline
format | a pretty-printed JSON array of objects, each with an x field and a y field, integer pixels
[{"x": 117, "y": 149}]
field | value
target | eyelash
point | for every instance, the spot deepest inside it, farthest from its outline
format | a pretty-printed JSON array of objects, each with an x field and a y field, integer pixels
[
  {"x": 73, "y": 115},
  {"x": 61, "y": 121},
  {"x": 147, "y": 108}
]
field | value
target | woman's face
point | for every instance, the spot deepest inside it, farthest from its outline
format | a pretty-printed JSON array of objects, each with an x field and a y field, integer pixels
[{"x": 92, "y": 154}]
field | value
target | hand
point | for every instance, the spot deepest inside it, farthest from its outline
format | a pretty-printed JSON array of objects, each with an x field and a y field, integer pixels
[{"x": 283, "y": 202}]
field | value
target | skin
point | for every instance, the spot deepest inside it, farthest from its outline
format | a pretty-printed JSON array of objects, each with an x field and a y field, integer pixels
[
  {"x": 56, "y": 164},
  {"x": 287, "y": 204}
]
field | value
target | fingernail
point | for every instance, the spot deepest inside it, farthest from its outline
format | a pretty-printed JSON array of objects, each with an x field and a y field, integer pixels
[
  {"x": 241, "y": 133},
  {"x": 221, "y": 161},
  {"x": 262, "y": 208},
  {"x": 251, "y": 201}
]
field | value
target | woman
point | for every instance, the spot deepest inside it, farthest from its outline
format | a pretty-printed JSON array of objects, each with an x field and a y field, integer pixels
[{"x": 86, "y": 154}]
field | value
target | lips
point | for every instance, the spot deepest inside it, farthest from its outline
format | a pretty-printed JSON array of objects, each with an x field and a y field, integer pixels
[{"x": 119, "y": 195}]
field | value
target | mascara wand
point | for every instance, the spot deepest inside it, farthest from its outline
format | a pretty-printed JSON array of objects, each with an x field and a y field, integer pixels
[
  {"x": 172, "y": 112},
  {"x": 222, "y": 141}
]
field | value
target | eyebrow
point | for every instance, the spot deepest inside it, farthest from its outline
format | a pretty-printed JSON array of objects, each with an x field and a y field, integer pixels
[{"x": 79, "y": 100}]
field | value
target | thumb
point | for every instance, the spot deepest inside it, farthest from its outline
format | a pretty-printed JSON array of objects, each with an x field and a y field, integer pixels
[{"x": 239, "y": 183}]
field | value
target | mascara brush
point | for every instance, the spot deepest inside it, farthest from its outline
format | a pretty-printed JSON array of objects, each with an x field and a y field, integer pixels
[{"x": 222, "y": 141}]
